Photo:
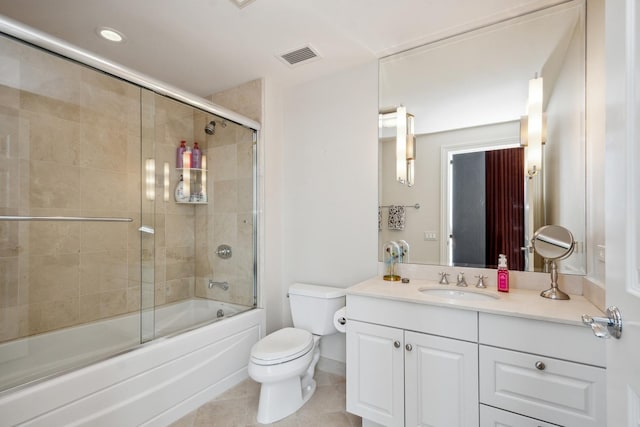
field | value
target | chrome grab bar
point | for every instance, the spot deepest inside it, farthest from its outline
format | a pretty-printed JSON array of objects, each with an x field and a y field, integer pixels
[{"x": 63, "y": 218}]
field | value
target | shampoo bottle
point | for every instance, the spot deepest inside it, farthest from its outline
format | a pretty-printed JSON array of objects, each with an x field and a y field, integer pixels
[
  {"x": 179, "y": 152},
  {"x": 196, "y": 157},
  {"x": 503, "y": 274}
]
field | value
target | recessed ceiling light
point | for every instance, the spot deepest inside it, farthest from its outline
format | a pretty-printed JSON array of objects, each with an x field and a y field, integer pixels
[
  {"x": 242, "y": 3},
  {"x": 111, "y": 34}
]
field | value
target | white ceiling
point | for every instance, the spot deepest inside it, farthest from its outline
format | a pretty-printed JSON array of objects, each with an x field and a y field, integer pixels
[{"x": 205, "y": 46}]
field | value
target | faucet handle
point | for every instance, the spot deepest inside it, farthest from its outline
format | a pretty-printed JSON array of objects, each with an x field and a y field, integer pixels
[
  {"x": 481, "y": 283},
  {"x": 444, "y": 278},
  {"x": 461, "y": 281}
]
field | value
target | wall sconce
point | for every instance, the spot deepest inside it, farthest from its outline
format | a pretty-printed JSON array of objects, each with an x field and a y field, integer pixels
[
  {"x": 150, "y": 179},
  {"x": 405, "y": 142},
  {"x": 533, "y": 128}
]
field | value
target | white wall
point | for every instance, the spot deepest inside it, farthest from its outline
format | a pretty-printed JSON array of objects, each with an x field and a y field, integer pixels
[{"x": 330, "y": 173}]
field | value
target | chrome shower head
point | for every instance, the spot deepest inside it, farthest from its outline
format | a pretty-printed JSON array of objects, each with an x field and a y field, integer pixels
[{"x": 210, "y": 128}]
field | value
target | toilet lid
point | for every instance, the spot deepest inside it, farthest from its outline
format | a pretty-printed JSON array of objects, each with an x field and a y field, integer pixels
[{"x": 281, "y": 346}]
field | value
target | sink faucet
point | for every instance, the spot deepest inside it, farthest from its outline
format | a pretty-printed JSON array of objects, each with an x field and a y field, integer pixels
[
  {"x": 461, "y": 281},
  {"x": 223, "y": 285},
  {"x": 443, "y": 278},
  {"x": 481, "y": 280}
]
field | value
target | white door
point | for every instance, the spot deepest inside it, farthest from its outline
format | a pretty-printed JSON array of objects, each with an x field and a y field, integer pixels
[{"x": 622, "y": 205}]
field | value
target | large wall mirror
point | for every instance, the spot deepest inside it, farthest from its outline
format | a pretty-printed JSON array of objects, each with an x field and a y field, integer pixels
[{"x": 472, "y": 192}]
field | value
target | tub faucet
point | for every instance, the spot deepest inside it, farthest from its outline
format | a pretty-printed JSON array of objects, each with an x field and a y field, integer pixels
[{"x": 223, "y": 285}]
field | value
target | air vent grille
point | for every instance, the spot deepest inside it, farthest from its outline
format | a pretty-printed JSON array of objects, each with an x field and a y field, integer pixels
[{"x": 298, "y": 56}]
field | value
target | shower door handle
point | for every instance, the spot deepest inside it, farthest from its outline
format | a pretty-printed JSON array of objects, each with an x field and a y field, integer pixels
[{"x": 147, "y": 229}]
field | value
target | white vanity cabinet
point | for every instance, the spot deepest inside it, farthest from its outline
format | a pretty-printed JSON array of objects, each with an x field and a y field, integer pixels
[
  {"x": 411, "y": 364},
  {"x": 544, "y": 371}
]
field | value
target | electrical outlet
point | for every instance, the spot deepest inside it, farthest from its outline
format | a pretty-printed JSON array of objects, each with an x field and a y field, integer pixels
[
  {"x": 601, "y": 253},
  {"x": 430, "y": 236}
]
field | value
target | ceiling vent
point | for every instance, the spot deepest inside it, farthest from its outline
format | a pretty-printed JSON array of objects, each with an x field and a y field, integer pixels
[{"x": 300, "y": 56}]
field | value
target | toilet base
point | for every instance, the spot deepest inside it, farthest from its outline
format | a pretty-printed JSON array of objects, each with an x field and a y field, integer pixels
[{"x": 281, "y": 399}]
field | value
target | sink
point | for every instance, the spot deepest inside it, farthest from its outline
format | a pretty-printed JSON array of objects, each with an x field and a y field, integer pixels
[{"x": 458, "y": 294}]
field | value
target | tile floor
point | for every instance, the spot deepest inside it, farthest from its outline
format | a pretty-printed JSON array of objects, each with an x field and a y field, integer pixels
[{"x": 238, "y": 407}]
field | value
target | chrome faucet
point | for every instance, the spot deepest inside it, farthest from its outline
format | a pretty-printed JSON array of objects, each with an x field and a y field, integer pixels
[
  {"x": 461, "y": 281},
  {"x": 444, "y": 278},
  {"x": 223, "y": 285},
  {"x": 481, "y": 283}
]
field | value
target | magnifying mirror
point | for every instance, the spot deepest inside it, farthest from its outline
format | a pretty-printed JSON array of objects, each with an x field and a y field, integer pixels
[{"x": 553, "y": 243}]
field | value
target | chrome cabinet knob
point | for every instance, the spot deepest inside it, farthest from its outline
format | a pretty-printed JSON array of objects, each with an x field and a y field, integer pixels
[
  {"x": 540, "y": 365},
  {"x": 396, "y": 344},
  {"x": 409, "y": 347}
]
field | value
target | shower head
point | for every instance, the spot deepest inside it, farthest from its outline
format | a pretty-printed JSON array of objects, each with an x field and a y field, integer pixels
[{"x": 210, "y": 128}]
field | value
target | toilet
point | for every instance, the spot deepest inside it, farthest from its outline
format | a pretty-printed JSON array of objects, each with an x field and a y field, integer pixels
[{"x": 284, "y": 361}]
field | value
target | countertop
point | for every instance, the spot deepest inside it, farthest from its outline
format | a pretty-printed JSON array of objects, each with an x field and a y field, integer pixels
[{"x": 517, "y": 302}]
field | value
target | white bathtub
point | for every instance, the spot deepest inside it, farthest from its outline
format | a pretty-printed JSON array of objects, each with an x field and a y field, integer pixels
[{"x": 152, "y": 385}]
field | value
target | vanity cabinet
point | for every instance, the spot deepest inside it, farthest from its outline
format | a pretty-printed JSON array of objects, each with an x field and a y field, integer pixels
[
  {"x": 546, "y": 371},
  {"x": 401, "y": 371}
]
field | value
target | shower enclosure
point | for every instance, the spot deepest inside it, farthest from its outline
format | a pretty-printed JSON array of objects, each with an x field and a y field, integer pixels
[{"x": 98, "y": 254}]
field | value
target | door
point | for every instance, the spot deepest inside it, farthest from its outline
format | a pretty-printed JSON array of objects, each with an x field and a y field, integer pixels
[
  {"x": 468, "y": 209},
  {"x": 622, "y": 203},
  {"x": 430, "y": 362},
  {"x": 375, "y": 373}
]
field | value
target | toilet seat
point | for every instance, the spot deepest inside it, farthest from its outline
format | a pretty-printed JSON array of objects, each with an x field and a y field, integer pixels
[{"x": 282, "y": 346}]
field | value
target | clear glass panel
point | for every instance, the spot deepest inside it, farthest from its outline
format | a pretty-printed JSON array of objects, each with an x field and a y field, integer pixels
[
  {"x": 69, "y": 147},
  {"x": 193, "y": 283}
]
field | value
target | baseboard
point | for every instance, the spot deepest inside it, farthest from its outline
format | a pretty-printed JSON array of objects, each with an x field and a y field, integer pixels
[{"x": 332, "y": 366}]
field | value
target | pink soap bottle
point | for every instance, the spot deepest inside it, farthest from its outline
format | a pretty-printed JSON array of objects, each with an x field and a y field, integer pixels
[
  {"x": 179, "y": 152},
  {"x": 503, "y": 274},
  {"x": 196, "y": 157}
]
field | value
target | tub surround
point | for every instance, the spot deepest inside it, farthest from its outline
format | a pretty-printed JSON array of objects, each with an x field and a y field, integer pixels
[{"x": 153, "y": 385}]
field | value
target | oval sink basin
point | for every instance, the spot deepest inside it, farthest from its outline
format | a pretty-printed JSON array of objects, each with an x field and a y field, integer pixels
[{"x": 458, "y": 294}]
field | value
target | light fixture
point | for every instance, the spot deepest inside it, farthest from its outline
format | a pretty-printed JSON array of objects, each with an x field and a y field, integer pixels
[
  {"x": 411, "y": 150},
  {"x": 401, "y": 144},
  {"x": 150, "y": 179},
  {"x": 405, "y": 141},
  {"x": 111, "y": 34},
  {"x": 242, "y": 3},
  {"x": 534, "y": 125}
]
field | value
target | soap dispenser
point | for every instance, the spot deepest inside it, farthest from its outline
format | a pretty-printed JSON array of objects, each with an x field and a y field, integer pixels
[{"x": 503, "y": 274}]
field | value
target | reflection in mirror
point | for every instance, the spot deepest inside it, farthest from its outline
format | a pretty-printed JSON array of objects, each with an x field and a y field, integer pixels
[
  {"x": 467, "y": 95},
  {"x": 553, "y": 243}
]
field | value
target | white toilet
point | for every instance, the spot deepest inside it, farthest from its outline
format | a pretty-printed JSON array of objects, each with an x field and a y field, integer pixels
[{"x": 284, "y": 361}]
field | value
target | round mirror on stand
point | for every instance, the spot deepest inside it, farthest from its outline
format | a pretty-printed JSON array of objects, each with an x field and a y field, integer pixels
[{"x": 553, "y": 243}]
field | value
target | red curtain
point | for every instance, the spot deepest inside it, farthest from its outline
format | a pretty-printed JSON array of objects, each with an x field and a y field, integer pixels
[{"x": 504, "y": 171}]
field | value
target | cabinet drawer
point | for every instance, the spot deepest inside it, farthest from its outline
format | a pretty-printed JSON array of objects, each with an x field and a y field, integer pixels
[
  {"x": 430, "y": 319},
  {"x": 560, "y": 392},
  {"x": 568, "y": 342},
  {"x": 492, "y": 417}
]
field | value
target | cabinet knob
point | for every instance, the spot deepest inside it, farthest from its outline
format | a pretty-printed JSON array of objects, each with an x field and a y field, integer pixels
[
  {"x": 396, "y": 344},
  {"x": 540, "y": 365},
  {"x": 409, "y": 347}
]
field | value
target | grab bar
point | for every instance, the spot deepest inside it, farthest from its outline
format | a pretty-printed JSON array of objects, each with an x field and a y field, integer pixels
[{"x": 63, "y": 218}]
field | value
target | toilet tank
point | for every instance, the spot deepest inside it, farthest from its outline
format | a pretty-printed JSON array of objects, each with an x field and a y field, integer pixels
[{"x": 313, "y": 306}]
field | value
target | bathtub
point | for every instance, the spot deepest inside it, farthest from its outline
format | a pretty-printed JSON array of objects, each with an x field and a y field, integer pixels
[{"x": 152, "y": 385}]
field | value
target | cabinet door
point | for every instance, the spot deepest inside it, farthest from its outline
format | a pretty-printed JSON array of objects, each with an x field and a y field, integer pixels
[
  {"x": 492, "y": 417},
  {"x": 375, "y": 374},
  {"x": 441, "y": 381}
]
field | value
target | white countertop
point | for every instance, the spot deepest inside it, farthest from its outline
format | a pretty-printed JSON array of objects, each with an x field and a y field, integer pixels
[{"x": 517, "y": 302}]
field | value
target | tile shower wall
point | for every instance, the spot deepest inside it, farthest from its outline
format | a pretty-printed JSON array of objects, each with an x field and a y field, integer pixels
[{"x": 69, "y": 146}]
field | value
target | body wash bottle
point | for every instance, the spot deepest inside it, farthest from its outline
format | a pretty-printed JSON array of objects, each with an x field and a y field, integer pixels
[{"x": 503, "y": 274}]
